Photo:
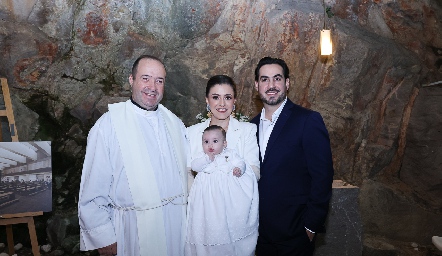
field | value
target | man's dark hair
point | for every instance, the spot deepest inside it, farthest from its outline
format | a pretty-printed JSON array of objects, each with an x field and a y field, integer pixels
[
  {"x": 137, "y": 61},
  {"x": 270, "y": 60},
  {"x": 220, "y": 79},
  {"x": 214, "y": 127}
]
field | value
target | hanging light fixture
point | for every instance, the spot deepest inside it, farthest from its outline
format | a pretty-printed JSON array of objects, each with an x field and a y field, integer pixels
[{"x": 325, "y": 37}]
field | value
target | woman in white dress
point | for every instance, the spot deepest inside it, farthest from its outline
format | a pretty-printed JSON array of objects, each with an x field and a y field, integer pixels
[{"x": 223, "y": 215}]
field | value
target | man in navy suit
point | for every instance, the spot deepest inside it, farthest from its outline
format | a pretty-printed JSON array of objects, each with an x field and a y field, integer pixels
[{"x": 296, "y": 167}]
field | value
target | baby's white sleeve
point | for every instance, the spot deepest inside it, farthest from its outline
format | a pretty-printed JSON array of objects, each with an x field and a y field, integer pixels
[
  {"x": 200, "y": 163},
  {"x": 238, "y": 162}
]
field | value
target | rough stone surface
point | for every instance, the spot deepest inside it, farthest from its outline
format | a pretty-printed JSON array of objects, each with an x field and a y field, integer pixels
[
  {"x": 343, "y": 234},
  {"x": 26, "y": 120},
  {"x": 423, "y": 153},
  {"x": 56, "y": 230},
  {"x": 391, "y": 214},
  {"x": 66, "y": 60}
]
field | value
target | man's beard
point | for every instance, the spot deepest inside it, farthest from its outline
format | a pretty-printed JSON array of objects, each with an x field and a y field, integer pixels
[{"x": 273, "y": 101}]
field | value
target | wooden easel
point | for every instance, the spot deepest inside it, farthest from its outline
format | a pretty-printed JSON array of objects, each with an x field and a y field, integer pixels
[{"x": 27, "y": 217}]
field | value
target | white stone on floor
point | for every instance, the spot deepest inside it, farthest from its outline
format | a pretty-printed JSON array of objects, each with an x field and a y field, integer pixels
[
  {"x": 46, "y": 248},
  {"x": 437, "y": 241},
  {"x": 18, "y": 246}
]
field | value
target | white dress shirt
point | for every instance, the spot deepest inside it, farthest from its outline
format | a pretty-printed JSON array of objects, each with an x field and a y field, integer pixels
[{"x": 266, "y": 127}]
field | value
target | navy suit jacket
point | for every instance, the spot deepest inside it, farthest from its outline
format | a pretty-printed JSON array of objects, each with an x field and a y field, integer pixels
[{"x": 296, "y": 175}]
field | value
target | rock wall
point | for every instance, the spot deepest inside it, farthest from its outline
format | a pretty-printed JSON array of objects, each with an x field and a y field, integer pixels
[{"x": 66, "y": 60}]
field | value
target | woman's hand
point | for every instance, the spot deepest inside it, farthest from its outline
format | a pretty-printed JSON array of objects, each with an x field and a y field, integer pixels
[{"x": 109, "y": 250}]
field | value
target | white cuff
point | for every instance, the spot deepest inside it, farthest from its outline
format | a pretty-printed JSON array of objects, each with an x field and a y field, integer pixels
[{"x": 310, "y": 230}]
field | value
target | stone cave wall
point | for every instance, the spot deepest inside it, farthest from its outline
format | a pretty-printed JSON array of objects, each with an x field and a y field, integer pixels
[{"x": 65, "y": 60}]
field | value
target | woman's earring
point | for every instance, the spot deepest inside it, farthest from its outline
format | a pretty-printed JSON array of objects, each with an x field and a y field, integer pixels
[
  {"x": 233, "y": 111},
  {"x": 209, "y": 112}
]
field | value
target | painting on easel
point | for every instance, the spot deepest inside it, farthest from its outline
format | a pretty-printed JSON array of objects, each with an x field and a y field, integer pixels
[{"x": 26, "y": 177}]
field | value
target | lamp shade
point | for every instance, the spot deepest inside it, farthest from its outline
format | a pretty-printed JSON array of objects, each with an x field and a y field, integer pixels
[{"x": 326, "y": 43}]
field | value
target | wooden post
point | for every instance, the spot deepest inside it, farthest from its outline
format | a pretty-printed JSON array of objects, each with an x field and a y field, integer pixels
[
  {"x": 10, "y": 236},
  {"x": 8, "y": 112},
  {"x": 33, "y": 236}
]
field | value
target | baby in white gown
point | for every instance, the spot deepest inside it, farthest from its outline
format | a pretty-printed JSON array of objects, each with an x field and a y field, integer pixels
[
  {"x": 216, "y": 156},
  {"x": 221, "y": 214}
]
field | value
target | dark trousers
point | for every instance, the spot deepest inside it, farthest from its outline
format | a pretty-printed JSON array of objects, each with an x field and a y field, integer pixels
[{"x": 298, "y": 246}]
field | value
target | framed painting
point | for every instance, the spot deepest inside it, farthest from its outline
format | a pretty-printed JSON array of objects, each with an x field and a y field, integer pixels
[{"x": 25, "y": 177}]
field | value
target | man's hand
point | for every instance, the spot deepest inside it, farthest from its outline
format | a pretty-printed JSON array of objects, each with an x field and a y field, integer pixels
[
  {"x": 310, "y": 235},
  {"x": 109, "y": 250}
]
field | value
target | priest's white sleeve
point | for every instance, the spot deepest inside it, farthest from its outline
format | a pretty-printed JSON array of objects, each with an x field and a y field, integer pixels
[{"x": 94, "y": 212}]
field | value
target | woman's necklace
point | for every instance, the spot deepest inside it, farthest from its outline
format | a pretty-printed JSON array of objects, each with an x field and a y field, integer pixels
[{"x": 224, "y": 126}]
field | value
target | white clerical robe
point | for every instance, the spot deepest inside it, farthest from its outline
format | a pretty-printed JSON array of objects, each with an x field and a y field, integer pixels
[{"x": 112, "y": 200}]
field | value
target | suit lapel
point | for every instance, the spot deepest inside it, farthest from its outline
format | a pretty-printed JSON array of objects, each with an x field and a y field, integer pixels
[
  {"x": 280, "y": 123},
  {"x": 233, "y": 136},
  {"x": 256, "y": 120}
]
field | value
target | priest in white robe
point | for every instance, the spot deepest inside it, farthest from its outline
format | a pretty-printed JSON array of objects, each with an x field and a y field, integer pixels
[{"x": 133, "y": 190}]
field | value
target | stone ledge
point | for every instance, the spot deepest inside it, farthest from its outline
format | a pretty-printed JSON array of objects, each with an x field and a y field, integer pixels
[{"x": 343, "y": 226}]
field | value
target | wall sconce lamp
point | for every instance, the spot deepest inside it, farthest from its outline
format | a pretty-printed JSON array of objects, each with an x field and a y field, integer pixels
[
  {"x": 326, "y": 43},
  {"x": 325, "y": 36}
]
